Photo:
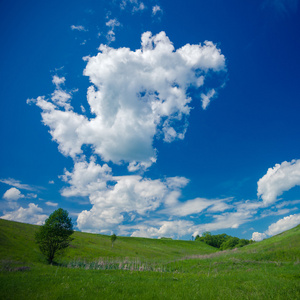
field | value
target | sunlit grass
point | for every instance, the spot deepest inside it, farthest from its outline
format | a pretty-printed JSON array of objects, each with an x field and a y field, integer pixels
[{"x": 137, "y": 268}]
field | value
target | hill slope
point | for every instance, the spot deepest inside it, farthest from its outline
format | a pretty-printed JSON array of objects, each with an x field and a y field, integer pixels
[
  {"x": 17, "y": 243},
  {"x": 282, "y": 247},
  {"x": 170, "y": 269}
]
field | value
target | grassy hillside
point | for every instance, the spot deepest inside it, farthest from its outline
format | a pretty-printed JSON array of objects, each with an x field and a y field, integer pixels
[
  {"x": 282, "y": 247},
  {"x": 139, "y": 268},
  {"x": 17, "y": 243}
]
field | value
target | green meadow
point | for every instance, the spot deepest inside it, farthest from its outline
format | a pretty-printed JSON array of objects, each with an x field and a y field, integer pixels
[{"x": 140, "y": 268}]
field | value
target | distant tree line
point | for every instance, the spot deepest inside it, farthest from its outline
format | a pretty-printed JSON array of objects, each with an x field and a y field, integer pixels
[{"x": 222, "y": 241}]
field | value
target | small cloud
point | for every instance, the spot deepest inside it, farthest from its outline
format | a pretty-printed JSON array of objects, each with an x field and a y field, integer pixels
[
  {"x": 257, "y": 236},
  {"x": 12, "y": 194},
  {"x": 79, "y": 28},
  {"x": 58, "y": 80},
  {"x": 156, "y": 9},
  {"x": 207, "y": 98},
  {"x": 49, "y": 203},
  {"x": 112, "y": 23},
  {"x": 51, "y": 182},
  {"x": 82, "y": 109},
  {"x": 31, "y": 196}
]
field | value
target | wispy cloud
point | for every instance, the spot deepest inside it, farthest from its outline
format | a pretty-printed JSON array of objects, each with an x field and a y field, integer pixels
[
  {"x": 281, "y": 7},
  {"x": 156, "y": 9},
  {"x": 112, "y": 24},
  {"x": 78, "y": 28},
  {"x": 133, "y": 5},
  {"x": 18, "y": 184}
]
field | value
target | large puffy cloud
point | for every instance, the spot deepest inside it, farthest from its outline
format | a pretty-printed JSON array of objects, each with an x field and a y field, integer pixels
[
  {"x": 281, "y": 225},
  {"x": 135, "y": 97},
  {"x": 32, "y": 215},
  {"x": 282, "y": 177}
]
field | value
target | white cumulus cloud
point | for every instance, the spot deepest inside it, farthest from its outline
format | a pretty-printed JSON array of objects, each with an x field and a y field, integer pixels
[
  {"x": 281, "y": 225},
  {"x": 281, "y": 178},
  {"x": 135, "y": 96},
  {"x": 13, "y": 194},
  {"x": 113, "y": 196},
  {"x": 257, "y": 236},
  {"x": 32, "y": 215}
]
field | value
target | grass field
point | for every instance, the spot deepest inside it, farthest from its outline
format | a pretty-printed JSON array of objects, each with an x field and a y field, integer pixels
[{"x": 139, "y": 268}]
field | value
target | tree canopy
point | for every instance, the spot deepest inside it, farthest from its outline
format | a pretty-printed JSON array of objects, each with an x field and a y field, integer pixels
[
  {"x": 55, "y": 235},
  {"x": 222, "y": 241}
]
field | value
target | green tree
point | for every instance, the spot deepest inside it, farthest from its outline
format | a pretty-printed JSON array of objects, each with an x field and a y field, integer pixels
[
  {"x": 230, "y": 243},
  {"x": 113, "y": 239},
  {"x": 55, "y": 235}
]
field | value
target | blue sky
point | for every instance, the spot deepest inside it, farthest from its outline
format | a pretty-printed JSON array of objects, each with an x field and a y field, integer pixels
[{"x": 152, "y": 118}]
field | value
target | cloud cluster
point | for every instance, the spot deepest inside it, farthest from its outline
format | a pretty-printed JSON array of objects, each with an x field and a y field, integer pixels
[
  {"x": 141, "y": 206},
  {"x": 135, "y": 5},
  {"x": 12, "y": 206},
  {"x": 279, "y": 179},
  {"x": 112, "y": 24},
  {"x": 114, "y": 196}
]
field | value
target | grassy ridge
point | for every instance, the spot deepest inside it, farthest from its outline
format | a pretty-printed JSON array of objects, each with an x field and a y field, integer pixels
[
  {"x": 183, "y": 269},
  {"x": 17, "y": 243}
]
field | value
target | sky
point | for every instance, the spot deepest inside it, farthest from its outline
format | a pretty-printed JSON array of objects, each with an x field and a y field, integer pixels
[{"x": 152, "y": 118}]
